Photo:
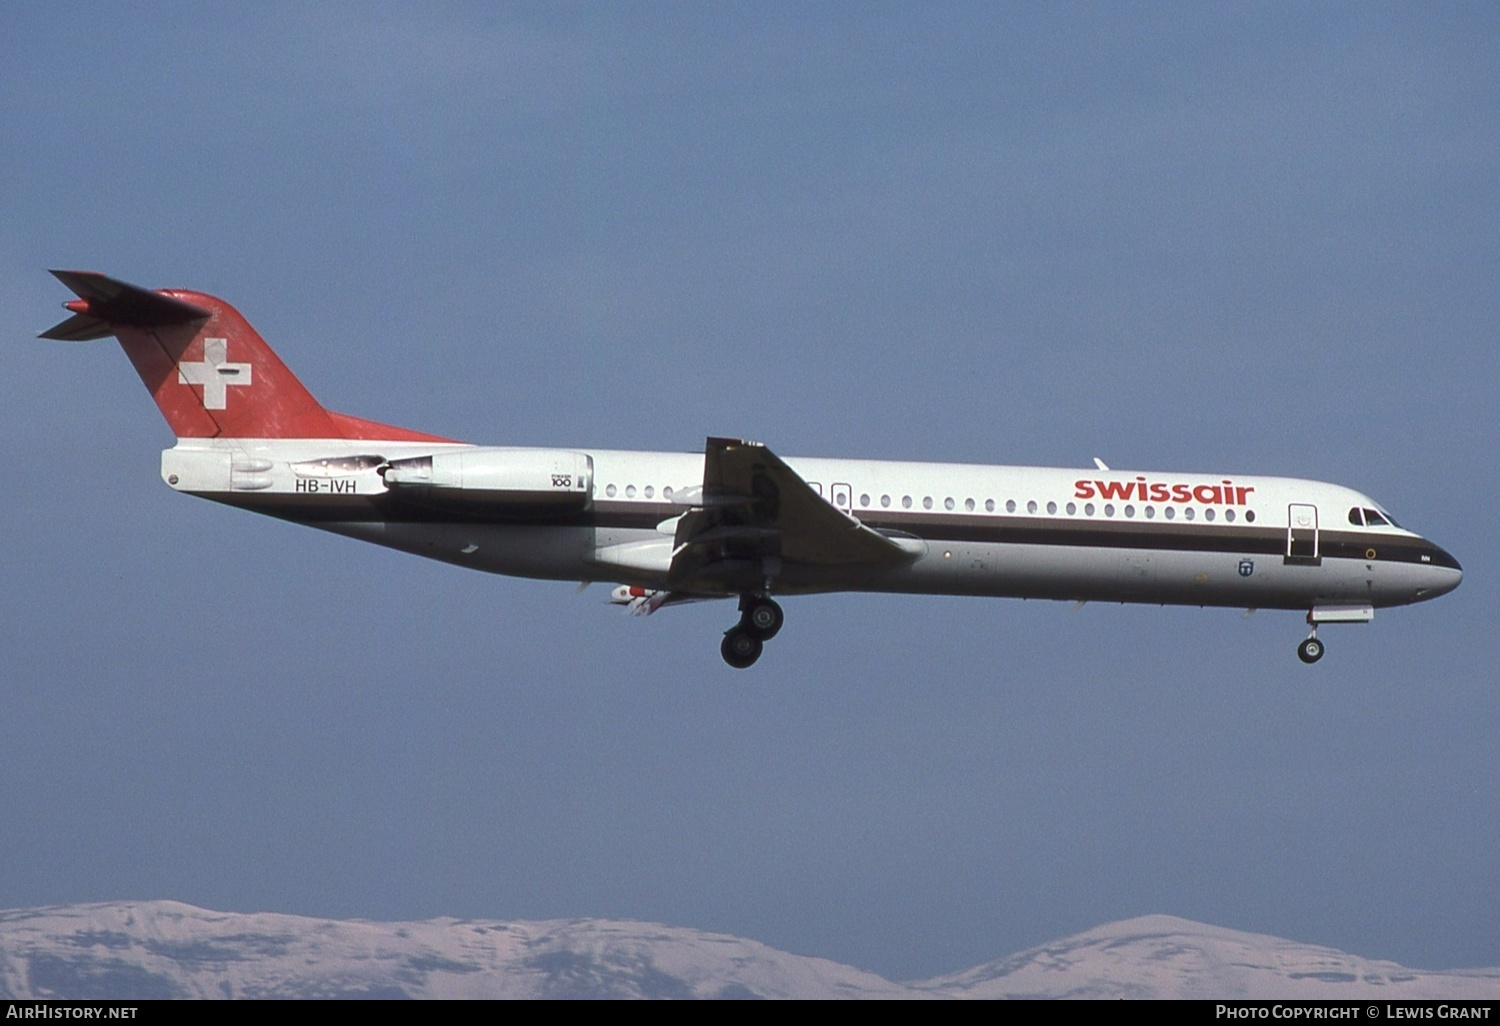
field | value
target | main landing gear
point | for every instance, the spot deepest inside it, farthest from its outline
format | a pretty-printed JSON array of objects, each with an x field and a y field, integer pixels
[{"x": 760, "y": 620}]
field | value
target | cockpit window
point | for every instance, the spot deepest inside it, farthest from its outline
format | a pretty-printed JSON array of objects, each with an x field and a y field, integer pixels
[{"x": 1366, "y": 517}]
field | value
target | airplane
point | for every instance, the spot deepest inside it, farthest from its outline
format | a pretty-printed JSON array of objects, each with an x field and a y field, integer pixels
[{"x": 736, "y": 521}]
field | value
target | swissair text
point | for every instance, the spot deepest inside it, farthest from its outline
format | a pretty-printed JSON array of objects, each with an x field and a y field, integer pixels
[{"x": 1226, "y": 493}]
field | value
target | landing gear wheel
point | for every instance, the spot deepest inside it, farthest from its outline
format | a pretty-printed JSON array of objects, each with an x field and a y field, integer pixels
[
  {"x": 740, "y": 648},
  {"x": 763, "y": 618},
  {"x": 1310, "y": 651}
]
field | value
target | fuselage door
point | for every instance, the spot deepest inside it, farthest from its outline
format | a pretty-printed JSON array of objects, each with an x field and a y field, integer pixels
[
  {"x": 1302, "y": 534},
  {"x": 842, "y": 496}
]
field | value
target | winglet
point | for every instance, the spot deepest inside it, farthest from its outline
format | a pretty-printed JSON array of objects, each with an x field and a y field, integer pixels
[{"x": 104, "y": 302}]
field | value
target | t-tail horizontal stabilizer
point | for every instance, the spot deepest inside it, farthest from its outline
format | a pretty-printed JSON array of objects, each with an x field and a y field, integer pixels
[{"x": 104, "y": 302}]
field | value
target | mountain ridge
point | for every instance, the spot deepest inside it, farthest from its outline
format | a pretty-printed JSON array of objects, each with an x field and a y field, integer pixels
[{"x": 167, "y": 949}]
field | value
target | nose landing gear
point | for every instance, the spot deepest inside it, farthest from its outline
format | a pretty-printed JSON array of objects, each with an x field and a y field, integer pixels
[
  {"x": 760, "y": 621},
  {"x": 1311, "y": 649}
]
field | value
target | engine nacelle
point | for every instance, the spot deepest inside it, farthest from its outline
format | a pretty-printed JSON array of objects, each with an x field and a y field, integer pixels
[{"x": 507, "y": 481}]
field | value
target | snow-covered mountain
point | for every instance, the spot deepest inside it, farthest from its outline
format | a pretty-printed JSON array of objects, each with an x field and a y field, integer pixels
[
  {"x": 161, "y": 949},
  {"x": 1167, "y": 957}
]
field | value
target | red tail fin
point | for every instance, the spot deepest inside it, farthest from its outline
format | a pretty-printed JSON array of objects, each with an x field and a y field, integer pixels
[{"x": 211, "y": 374}]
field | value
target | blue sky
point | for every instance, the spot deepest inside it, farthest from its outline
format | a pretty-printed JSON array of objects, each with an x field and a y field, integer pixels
[{"x": 1238, "y": 239}]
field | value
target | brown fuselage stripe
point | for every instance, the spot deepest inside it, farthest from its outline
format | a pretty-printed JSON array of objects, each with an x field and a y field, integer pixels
[{"x": 934, "y": 528}]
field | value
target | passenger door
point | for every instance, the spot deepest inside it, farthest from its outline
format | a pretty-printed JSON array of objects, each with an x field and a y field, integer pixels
[{"x": 1302, "y": 534}]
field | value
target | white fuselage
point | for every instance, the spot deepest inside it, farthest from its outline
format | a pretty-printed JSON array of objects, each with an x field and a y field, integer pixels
[{"x": 1027, "y": 532}]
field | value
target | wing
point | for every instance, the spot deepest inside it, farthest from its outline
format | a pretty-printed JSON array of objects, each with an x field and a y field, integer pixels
[{"x": 756, "y": 516}]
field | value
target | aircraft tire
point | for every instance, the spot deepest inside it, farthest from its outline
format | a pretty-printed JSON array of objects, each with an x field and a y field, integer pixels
[
  {"x": 740, "y": 648},
  {"x": 763, "y": 618},
  {"x": 1310, "y": 651}
]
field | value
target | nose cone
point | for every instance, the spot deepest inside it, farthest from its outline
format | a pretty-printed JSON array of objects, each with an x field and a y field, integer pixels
[{"x": 1443, "y": 574}]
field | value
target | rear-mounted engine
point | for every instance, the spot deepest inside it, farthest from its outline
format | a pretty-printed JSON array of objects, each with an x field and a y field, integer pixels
[{"x": 501, "y": 481}]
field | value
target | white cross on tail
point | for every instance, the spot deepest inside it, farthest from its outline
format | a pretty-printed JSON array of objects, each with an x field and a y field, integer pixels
[{"x": 214, "y": 373}]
